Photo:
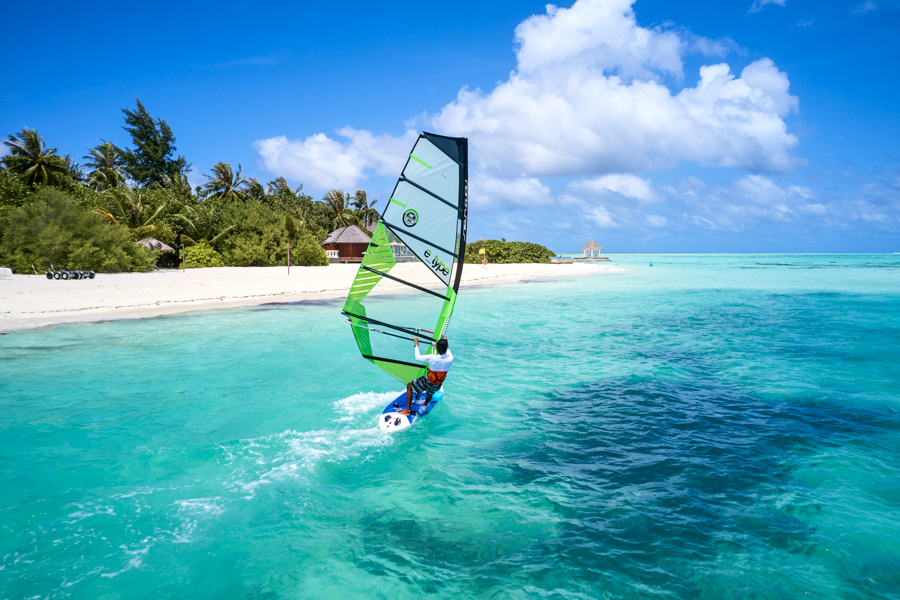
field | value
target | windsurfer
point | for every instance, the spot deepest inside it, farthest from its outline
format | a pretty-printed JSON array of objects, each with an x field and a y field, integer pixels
[{"x": 430, "y": 383}]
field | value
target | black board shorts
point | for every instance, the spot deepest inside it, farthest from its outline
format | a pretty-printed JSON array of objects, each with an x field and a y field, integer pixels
[{"x": 423, "y": 385}]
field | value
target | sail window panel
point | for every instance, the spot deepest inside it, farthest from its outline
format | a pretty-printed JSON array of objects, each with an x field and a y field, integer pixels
[
  {"x": 429, "y": 167},
  {"x": 416, "y": 312},
  {"x": 434, "y": 221},
  {"x": 426, "y": 225},
  {"x": 392, "y": 348}
]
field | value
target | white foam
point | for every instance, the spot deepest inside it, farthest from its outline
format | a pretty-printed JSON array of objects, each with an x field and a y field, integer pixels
[
  {"x": 141, "y": 491},
  {"x": 85, "y": 512},
  {"x": 294, "y": 454},
  {"x": 302, "y": 452},
  {"x": 191, "y": 512},
  {"x": 136, "y": 560},
  {"x": 202, "y": 506},
  {"x": 362, "y": 403}
]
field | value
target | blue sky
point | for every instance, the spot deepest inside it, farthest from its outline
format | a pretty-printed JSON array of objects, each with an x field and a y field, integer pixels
[{"x": 586, "y": 120}]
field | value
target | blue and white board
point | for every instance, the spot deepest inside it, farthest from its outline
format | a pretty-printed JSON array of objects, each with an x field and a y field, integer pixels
[{"x": 390, "y": 420}]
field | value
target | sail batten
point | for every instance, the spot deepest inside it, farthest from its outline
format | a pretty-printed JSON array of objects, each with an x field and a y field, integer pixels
[
  {"x": 409, "y": 283},
  {"x": 415, "y": 332},
  {"x": 422, "y": 226},
  {"x": 424, "y": 241},
  {"x": 430, "y": 193}
]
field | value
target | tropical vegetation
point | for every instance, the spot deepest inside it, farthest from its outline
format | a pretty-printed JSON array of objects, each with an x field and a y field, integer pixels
[
  {"x": 32, "y": 161},
  {"x": 501, "y": 251},
  {"x": 89, "y": 217},
  {"x": 55, "y": 230}
]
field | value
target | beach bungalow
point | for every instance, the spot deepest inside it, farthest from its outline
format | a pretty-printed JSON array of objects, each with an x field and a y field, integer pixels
[
  {"x": 592, "y": 249},
  {"x": 346, "y": 244}
]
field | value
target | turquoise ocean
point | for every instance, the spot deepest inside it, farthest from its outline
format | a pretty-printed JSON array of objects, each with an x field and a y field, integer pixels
[{"x": 713, "y": 427}]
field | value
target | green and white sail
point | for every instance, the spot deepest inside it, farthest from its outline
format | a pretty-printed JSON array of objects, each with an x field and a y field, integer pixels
[{"x": 423, "y": 226}]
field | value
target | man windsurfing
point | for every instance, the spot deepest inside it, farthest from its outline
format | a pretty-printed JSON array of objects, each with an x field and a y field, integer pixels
[{"x": 430, "y": 383}]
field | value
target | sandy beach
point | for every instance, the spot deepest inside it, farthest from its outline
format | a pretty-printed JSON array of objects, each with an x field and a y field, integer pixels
[{"x": 29, "y": 301}]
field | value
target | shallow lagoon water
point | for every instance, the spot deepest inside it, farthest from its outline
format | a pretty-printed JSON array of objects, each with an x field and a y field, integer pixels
[{"x": 714, "y": 426}]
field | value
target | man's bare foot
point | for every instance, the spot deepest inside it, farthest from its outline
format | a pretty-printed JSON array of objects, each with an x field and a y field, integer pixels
[{"x": 403, "y": 412}]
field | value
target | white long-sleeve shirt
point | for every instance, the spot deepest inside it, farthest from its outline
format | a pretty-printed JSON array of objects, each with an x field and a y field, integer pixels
[{"x": 439, "y": 363}]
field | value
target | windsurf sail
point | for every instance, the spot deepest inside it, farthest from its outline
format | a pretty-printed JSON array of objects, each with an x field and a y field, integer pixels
[{"x": 422, "y": 227}]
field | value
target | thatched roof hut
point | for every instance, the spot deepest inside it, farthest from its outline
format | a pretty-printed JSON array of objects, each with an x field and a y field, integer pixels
[
  {"x": 347, "y": 235},
  {"x": 155, "y": 244},
  {"x": 346, "y": 244},
  {"x": 592, "y": 249}
]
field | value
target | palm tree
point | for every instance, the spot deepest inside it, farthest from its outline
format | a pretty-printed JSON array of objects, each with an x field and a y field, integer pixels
[
  {"x": 202, "y": 224},
  {"x": 255, "y": 190},
  {"x": 365, "y": 210},
  {"x": 280, "y": 187},
  {"x": 178, "y": 183},
  {"x": 293, "y": 227},
  {"x": 32, "y": 161},
  {"x": 72, "y": 168},
  {"x": 285, "y": 199},
  {"x": 225, "y": 183},
  {"x": 129, "y": 208},
  {"x": 341, "y": 215},
  {"x": 106, "y": 162}
]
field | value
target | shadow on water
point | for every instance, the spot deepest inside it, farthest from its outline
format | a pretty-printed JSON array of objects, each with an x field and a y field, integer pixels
[
  {"x": 636, "y": 487},
  {"x": 664, "y": 480}
]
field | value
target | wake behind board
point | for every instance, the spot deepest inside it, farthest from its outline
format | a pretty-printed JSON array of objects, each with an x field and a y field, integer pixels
[{"x": 390, "y": 420}]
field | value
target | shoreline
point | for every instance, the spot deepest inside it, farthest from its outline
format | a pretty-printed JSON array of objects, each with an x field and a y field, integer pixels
[{"x": 34, "y": 302}]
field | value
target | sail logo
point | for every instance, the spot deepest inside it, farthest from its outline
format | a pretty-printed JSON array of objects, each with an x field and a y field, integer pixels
[
  {"x": 436, "y": 265},
  {"x": 410, "y": 218}
]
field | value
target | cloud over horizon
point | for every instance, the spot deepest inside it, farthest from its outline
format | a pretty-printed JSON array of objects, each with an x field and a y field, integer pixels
[
  {"x": 595, "y": 100},
  {"x": 588, "y": 97},
  {"x": 580, "y": 106},
  {"x": 324, "y": 163}
]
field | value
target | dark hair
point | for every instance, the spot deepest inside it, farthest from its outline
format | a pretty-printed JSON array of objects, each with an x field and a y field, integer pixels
[{"x": 441, "y": 345}]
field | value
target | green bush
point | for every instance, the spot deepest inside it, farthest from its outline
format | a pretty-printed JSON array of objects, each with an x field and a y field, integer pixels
[
  {"x": 14, "y": 193},
  {"x": 55, "y": 229},
  {"x": 501, "y": 251},
  {"x": 259, "y": 238},
  {"x": 174, "y": 204},
  {"x": 200, "y": 256},
  {"x": 246, "y": 250},
  {"x": 83, "y": 195},
  {"x": 306, "y": 251},
  {"x": 261, "y": 235}
]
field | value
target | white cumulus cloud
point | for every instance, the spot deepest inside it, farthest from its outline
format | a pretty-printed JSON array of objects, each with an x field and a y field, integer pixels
[
  {"x": 593, "y": 95},
  {"x": 593, "y": 35},
  {"x": 630, "y": 186},
  {"x": 593, "y": 107},
  {"x": 524, "y": 191},
  {"x": 745, "y": 201},
  {"x": 599, "y": 216},
  {"x": 758, "y": 5},
  {"x": 321, "y": 162}
]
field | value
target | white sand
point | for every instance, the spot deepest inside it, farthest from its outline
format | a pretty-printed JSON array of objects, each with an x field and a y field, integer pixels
[{"x": 28, "y": 301}]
